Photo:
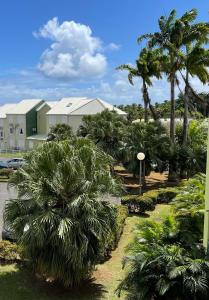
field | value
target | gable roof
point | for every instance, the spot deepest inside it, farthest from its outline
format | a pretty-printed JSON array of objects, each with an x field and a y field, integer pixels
[
  {"x": 24, "y": 106},
  {"x": 5, "y": 109},
  {"x": 49, "y": 104},
  {"x": 81, "y": 106}
]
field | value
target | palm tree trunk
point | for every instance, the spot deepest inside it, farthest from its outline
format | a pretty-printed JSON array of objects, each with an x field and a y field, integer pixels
[
  {"x": 172, "y": 113},
  {"x": 153, "y": 112},
  {"x": 186, "y": 101},
  {"x": 172, "y": 176},
  {"x": 148, "y": 102},
  {"x": 144, "y": 91}
]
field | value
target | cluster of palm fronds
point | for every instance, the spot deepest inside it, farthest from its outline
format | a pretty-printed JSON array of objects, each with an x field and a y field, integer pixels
[
  {"x": 177, "y": 51},
  {"x": 58, "y": 216},
  {"x": 166, "y": 259}
]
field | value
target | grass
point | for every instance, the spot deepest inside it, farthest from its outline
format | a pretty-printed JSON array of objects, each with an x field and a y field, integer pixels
[
  {"x": 12, "y": 155},
  {"x": 3, "y": 179},
  {"x": 19, "y": 284}
]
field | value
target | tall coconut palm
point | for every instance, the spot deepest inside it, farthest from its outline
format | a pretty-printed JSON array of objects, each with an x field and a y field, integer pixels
[
  {"x": 147, "y": 66},
  {"x": 58, "y": 216},
  {"x": 170, "y": 39},
  {"x": 196, "y": 63}
]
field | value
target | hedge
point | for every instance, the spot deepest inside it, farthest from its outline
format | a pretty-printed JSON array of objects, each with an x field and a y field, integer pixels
[
  {"x": 147, "y": 202},
  {"x": 6, "y": 172},
  {"x": 113, "y": 238},
  {"x": 138, "y": 204}
]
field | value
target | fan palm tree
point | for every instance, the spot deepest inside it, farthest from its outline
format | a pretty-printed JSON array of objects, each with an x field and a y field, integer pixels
[
  {"x": 147, "y": 66},
  {"x": 106, "y": 129},
  {"x": 58, "y": 216},
  {"x": 150, "y": 138},
  {"x": 60, "y": 132},
  {"x": 165, "y": 272},
  {"x": 170, "y": 39}
]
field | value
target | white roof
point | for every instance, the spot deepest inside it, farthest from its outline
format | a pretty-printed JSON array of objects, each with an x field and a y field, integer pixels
[
  {"x": 5, "y": 109},
  {"x": 38, "y": 137},
  {"x": 163, "y": 120},
  {"x": 49, "y": 103},
  {"x": 81, "y": 106},
  {"x": 24, "y": 106}
]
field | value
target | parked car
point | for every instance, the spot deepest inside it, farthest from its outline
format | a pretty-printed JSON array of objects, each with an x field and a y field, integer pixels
[
  {"x": 15, "y": 163},
  {"x": 3, "y": 164},
  {"x": 7, "y": 234}
]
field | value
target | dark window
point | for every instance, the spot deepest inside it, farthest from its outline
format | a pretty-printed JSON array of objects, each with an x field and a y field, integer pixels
[
  {"x": 11, "y": 130},
  {"x": 21, "y": 131}
]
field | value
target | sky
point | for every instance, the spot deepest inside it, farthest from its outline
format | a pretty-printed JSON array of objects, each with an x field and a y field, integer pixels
[{"x": 52, "y": 49}]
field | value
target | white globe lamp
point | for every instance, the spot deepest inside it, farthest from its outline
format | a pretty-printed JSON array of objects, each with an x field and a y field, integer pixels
[{"x": 141, "y": 156}]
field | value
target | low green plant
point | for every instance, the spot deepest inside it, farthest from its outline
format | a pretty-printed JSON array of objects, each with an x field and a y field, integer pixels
[
  {"x": 114, "y": 236},
  {"x": 9, "y": 252},
  {"x": 166, "y": 195},
  {"x": 6, "y": 172},
  {"x": 138, "y": 204}
]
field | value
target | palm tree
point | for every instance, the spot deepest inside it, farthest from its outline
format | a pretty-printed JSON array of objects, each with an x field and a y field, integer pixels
[
  {"x": 170, "y": 39},
  {"x": 196, "y": 61},
  {"x": 58, "y": 216},
  {"x": 150, "y": 138},
  {"x": 106, "y": 129},
  {"x": 165, "y": 272},
  {"x": 147, "y": 66},
  {"x": 60, "y": 132}
]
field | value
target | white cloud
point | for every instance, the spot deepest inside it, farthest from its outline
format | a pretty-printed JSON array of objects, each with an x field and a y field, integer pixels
[
  {"x": 74, "y": 53},
  {"x": 112, "y": 47},
  {"x": 115, "y": 89}
]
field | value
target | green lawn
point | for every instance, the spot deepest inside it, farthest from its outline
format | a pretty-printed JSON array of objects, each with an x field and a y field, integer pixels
[
  {"x": 18, "y": 284},
  {"x": 12, "y": 155}
]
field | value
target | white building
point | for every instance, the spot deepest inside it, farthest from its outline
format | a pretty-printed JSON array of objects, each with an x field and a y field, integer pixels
[
  {"x": 26, "y": 124},
  {"x": 71, "y": 111},
  {"x": 3, "y": 124}
]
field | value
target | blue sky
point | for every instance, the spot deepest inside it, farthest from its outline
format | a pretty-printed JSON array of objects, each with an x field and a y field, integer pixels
[{"x": 52, "y": 49}]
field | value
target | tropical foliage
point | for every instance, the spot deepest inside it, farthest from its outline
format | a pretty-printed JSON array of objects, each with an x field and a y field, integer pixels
[
  {"x": 147, "y": 66},
  {"x": 60, "y": 132},
  {"x": 150, "y": 138},
  {"x": 166, "y": 260},
  {"x": 174, "y": 36},
  {"x": 59, "y": 216},
  {"x": 106, "y": 129}
]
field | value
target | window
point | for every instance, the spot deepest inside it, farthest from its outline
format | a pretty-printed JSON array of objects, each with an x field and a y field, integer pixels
[
  {"x": 1, "y": 135},
  {"x": 69, "y": 105},
  {"x": 11, "y": 130},
  {"x": 21, "y": 131}
]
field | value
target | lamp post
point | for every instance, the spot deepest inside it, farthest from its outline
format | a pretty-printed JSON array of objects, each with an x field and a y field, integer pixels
[
  {"x": 206, "y": 219},
  {"x": 140, "y": 157}
]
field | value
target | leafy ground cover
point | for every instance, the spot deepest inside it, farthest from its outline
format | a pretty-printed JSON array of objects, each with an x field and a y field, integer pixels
[{"x": 17, "y": 283}]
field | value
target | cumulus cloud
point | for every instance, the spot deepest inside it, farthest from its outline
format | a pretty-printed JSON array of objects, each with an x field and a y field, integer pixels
[{"x": 74, "y": 53}]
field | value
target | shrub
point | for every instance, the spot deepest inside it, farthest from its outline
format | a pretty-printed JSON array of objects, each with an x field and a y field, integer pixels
[
  {"x": 166, "y": 195},
  {"x": 6, "y": 172},
  {"x": 9, "y": 252},
  {"x": 114, "y": 236},
  {"x": 62, "y": 223},
  {"x": 138, "y": 204},
  {"x": 153, "y": 194}
]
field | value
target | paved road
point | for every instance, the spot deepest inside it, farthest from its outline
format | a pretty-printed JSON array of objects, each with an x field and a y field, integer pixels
[{"x": 5, "y": 194}]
